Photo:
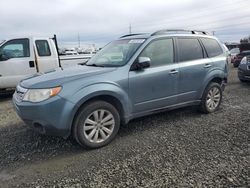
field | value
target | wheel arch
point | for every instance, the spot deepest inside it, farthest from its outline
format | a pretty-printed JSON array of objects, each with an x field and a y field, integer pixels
[
  {"x": 107, "y": 98},
  {"x": 105, "y": 92},
  {"x": 217, "y": 77}
]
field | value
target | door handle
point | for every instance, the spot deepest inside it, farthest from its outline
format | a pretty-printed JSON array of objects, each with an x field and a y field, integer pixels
[
  {"x": 207, "y": 65},
  {"x": 173, "y": 71},
  {"x": 32, "y": 63}
]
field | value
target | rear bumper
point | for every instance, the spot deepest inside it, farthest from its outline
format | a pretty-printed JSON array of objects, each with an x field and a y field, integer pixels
[{"x": 50, "y": 117}]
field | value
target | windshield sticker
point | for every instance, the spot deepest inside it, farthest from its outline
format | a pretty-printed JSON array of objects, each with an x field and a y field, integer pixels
[{"x": 138, "y": 41}]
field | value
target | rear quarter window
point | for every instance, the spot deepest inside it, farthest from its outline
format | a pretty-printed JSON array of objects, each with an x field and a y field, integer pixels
[
  {"x": 43, "y": 48},
  {"x": 212, "y": 47}
]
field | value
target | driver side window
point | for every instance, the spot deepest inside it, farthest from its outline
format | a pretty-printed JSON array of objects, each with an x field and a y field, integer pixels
[
  {"x": 160, "y": 52},
  {"x": 16, "y": 48}
]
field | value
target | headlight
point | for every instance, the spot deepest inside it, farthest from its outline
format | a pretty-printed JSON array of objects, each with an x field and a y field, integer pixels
[
  {"x": 39, "y": 95},
  {"x": 243, "y": 61}
]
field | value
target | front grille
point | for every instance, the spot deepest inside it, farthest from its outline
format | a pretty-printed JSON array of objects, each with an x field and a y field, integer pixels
[{"x": 19, "y": 93}]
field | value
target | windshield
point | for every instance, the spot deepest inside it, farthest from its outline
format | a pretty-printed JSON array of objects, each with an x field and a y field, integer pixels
[{"x": 116, "y": 53}]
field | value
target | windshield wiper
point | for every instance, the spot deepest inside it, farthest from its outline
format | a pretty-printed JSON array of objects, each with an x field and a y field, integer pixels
[{"x": 94, "y": 65}]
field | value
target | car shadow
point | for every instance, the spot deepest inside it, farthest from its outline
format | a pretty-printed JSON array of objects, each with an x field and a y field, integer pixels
[{"x": 6, "y": 95}]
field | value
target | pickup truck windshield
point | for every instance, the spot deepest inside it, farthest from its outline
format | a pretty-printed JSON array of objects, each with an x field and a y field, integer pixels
[{"x": 116, "y": 53}]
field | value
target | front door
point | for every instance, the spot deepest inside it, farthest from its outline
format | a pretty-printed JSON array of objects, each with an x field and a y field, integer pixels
[
  {"x": 16, "y": 62},
  {"x": 155, "y": 87}
]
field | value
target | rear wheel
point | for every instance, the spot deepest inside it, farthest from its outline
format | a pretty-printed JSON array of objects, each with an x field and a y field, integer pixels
[
  {"x": 211, "y": 98},
  {"x": 96, "y": 124}
]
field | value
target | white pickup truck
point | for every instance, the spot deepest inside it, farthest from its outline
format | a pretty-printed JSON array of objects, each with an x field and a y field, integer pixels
[{"x": 23, "y": 57}]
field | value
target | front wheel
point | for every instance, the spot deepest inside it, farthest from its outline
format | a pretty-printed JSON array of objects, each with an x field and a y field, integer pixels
[
  {"x": 211, "y": 98},
  {"x": 96, "y": 124}
]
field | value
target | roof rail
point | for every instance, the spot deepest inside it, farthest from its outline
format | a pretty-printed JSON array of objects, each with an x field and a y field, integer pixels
[
  {"x": 128, "y": 35},
  {"x": 181, "y": 31},
  {"x": 201, "y": 32}
]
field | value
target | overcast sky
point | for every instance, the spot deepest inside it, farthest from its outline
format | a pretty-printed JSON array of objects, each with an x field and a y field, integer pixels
[{"x": 100, "y": 21}]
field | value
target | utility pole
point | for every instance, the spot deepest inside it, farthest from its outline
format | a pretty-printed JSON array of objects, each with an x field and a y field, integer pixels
[
  {"x": 213, "y": 32},
  {"x": 130, "y": 28},
  {"x": 79, "y": 42}
]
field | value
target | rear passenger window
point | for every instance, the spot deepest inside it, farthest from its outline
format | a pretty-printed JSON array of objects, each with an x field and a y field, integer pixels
[
  {"x": 189, "y": 49},
  {"x": 161, "y": 52},
  {"x": 43, "y": 48},
  {"x": 212, "y": 47}
]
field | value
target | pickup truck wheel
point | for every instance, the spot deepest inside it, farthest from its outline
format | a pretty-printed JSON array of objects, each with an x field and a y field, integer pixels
[
  {"x": 211, "y": 98},
  {"x": 96, "y": 124}
]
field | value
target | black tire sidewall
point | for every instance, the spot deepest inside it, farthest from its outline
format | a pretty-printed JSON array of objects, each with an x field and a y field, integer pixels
[
  {"x": 204, "y": 98},
  {"x": 84, "y": 113}
]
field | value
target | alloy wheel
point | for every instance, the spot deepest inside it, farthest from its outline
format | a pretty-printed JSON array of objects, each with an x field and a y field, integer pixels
[
  {"x": 213, "y": 98},
  {"x": 98, "y": 126}
]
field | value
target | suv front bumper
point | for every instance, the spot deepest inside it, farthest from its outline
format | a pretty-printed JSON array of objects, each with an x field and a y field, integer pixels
[{"x": 50, "y": 117}]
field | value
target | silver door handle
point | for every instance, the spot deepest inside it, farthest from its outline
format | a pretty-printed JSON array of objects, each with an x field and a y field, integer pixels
[
  {"x": 173, "y": 72},
  {"x": 207, "y": 65}
]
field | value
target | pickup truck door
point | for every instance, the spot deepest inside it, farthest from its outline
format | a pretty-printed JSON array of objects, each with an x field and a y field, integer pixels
[
  {"x": 16, "y": 62},
  {"x": 46, "y": 55}
]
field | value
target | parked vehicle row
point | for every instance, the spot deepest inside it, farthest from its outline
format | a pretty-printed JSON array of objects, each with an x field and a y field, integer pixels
[
  {"x": 244, "y": 69},
  {"x": 131, "y": 77},
  {"x": 238, "y": 57}
]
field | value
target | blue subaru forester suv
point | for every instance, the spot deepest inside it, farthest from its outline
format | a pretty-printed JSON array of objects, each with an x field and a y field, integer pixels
[{"x": 134, "y": 76}]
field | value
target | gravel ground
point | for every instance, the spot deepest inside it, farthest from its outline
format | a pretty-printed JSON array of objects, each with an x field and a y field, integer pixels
[{"x": 180, "y": 148}]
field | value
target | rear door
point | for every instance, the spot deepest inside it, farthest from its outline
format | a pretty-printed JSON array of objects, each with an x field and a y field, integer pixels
[
  {"x": 46, "y": 55},
  {"x": 16, "y": 62},
  {"x": 193, "y": 66}
]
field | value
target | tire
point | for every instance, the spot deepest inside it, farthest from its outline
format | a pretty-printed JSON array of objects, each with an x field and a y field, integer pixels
[
  {"x": 96, "y": 124},
  {"x": 213, "y": 92}
]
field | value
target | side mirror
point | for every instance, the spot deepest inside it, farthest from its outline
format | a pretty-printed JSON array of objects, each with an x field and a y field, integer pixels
[
  {"x": 3, "y": 57},
  {"x": 141, "y": 63}
]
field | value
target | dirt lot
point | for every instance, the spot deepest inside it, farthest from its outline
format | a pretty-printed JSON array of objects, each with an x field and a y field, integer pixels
[{"x": 181, "y": 148}]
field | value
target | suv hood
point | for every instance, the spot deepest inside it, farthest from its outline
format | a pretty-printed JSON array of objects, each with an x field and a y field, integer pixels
[{"x": 58, "y": 77}]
